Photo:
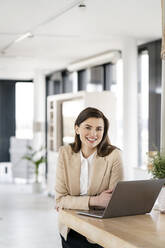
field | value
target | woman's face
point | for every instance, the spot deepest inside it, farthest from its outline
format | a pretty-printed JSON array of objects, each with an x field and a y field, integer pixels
[{"x": 91, "y": 132}]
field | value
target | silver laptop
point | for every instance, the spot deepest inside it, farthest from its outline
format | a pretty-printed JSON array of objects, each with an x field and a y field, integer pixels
[{"x": 130, "y": 198}]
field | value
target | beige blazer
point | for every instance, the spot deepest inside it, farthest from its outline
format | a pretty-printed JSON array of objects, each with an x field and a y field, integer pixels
[{"x": 105, "y": 173}]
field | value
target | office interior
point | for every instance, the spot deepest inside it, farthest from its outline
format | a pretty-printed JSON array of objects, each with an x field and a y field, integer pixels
[{"x": 55, "y": 57}]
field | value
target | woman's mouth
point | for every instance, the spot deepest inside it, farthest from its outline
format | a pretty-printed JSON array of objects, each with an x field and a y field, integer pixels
[{"x": 91, "y": 139}]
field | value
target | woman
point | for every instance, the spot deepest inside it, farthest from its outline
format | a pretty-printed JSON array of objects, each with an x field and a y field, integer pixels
[{"x": 87, "y": 171}]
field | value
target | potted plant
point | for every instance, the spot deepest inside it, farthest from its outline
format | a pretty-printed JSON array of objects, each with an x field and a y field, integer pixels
[
  {"x": 156, "y": 167},
  {"x": 36, "y": 157}
]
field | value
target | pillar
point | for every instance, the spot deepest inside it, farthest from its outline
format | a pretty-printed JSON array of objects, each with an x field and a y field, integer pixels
[{"x": 130, "y": 121}]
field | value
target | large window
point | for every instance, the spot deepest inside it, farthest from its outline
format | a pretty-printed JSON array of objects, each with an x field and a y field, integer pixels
[
  {"x": 143, "y": 108},
  {"x": 24, "y": 110},
  {"x": 118, "y": 89}
]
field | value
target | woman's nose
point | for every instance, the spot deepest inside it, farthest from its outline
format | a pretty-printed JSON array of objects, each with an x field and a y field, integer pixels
[{"x": 93, "y": 132}]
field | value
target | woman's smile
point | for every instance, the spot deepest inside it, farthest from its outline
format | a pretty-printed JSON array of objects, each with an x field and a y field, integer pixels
[{"x": 91, "y": 139}]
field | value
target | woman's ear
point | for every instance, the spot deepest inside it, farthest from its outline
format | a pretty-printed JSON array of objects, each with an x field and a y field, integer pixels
[{"x": 76, "y": 128}]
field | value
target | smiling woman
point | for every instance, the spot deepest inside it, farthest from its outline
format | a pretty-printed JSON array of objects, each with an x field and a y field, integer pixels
[{"x": 87, "y": 172}]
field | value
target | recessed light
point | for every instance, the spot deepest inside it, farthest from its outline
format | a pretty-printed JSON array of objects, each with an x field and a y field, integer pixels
[{"x": 82, "y": 5}]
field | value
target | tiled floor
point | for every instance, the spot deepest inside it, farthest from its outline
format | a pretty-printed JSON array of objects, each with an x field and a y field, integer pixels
[{"x": 27, "y": 220}]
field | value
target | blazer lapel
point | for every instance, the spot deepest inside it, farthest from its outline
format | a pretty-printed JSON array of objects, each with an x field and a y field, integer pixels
[
  {"x": 98, "y": 170},
  {"x": 74, "y": 174}
]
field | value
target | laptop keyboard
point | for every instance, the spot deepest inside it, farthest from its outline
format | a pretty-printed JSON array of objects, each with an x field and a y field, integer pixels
[{"x": 94, "y": 211}]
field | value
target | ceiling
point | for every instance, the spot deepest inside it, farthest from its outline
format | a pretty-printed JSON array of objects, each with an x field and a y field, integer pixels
[{"x": 63, "y": 33}]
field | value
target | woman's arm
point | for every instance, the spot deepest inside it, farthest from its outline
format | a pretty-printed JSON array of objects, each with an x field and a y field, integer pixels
[
  {"x": 117, "y": 169},
  {"x": 101, "y": 200},
  {"x": 62, "y": 197},
  {"x": 115, "y": 176}
]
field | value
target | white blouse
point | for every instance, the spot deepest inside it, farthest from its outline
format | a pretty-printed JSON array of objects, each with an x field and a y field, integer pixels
[{"x": 85, "y": 173}]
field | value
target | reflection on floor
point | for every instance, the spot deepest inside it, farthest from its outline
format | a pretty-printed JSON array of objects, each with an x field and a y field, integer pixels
[{"x": 27, "y": 220}]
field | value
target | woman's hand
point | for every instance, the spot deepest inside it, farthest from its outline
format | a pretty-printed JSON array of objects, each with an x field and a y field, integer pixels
[{"x": 101, "y": 200}]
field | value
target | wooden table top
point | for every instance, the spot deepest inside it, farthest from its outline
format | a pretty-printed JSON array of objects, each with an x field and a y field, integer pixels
[{"x": 140, "y": 231}]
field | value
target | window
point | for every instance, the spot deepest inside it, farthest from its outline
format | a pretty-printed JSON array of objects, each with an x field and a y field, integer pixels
[
  {"x": 24, "y": 110},
  {"x": 117, "y": 89},
  {"x": 143, "y": 107}
]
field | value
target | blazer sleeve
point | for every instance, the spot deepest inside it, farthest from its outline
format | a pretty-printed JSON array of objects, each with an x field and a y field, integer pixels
[
  {"x": 62, "y": 197},
  {"x": 117, "y": 169}
]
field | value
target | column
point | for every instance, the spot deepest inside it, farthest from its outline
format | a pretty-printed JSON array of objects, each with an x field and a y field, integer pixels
[{"x": 130, "y": 123}]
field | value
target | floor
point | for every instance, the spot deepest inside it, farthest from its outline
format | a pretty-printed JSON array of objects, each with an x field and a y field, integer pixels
[{"x": 27, "y": 220}]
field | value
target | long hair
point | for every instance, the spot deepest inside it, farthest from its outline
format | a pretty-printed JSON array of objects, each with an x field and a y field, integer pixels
[{"x": 104, "y": 147}]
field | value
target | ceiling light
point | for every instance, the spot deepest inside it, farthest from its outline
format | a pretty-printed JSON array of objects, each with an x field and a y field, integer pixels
[
  {"x": 20, "y": 38},
  {"x": 82, "y": 5},
  {"x": 24, "y": 36}
]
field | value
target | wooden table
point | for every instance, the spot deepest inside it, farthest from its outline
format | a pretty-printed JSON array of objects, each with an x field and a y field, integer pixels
[{"x": 140, "y": 231}]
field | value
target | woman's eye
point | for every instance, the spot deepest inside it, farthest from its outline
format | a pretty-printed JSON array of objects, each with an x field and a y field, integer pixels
[
  {"x": 88, "y": 128},
  {"x": 99, "y": 129}
]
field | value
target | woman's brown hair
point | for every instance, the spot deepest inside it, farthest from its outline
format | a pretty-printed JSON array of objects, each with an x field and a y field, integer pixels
[{"x": 104, "y": 148}]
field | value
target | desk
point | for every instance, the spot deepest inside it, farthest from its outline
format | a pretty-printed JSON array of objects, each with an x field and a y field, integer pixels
[{"x": 140, "y": 231}]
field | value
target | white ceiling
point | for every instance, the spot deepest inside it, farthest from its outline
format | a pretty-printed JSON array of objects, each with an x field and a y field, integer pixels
[{"x": 64, "y": 33}]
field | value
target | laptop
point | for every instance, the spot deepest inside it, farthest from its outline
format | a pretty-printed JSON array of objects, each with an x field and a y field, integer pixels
[{"x": 129, "y": 198}]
